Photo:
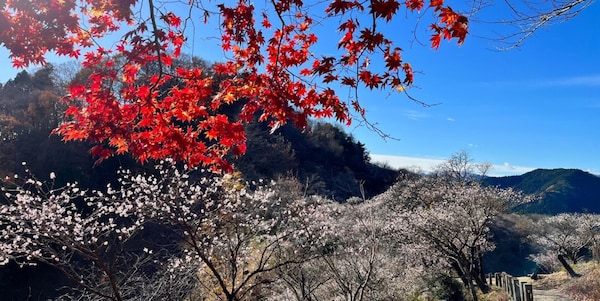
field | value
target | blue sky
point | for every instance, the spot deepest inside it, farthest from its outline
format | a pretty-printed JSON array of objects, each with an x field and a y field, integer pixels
[{"x": 537, "y": 106}]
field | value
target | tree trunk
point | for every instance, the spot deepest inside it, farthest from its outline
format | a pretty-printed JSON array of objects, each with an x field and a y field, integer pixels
[
  {"x": 472, "y": 288},
  {"x": 567, "y": 267},
  {"x": 478, "y": 275},
  {"x": 481, "y": 284},
  {"x": 467, "y": 278},
  {"x": 480, "y": 261}
]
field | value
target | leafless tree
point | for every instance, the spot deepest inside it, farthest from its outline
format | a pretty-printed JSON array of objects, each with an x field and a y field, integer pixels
[
  {"x": 462, "y": 168},
  {"x": 526, "y": 17}
]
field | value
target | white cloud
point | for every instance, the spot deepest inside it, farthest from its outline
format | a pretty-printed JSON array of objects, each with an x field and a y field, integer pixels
[
  {"x": 427, "y": 165},
  {"x": 411, "y": 163},
  {"x": 451, "y": 119},
  {"x": 415, "y": 115},
  {"x": 587, "y": 81},
  {"x": 593, "y": 171},
  {"x": 507, "y": 169}
]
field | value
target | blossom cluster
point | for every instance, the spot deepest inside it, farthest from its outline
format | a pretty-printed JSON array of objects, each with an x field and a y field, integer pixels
[
  {"x": 565, "y": 234},
  {"x": 235, "y": 230},
  {"x": 233, "y": 239}
]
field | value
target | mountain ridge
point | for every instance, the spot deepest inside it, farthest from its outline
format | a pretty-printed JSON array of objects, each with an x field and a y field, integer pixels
[{"x": 558, "y": 190}]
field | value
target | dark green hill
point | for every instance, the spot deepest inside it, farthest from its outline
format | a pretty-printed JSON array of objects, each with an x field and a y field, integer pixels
[
  {"x": 324, "y": 159},
  {"x": 558, "y": 190}
]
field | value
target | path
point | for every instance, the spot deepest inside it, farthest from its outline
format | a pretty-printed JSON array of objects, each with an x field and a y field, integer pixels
[
  {"x": 550, "y": 295},
  {"x": 546, "y": 294}
]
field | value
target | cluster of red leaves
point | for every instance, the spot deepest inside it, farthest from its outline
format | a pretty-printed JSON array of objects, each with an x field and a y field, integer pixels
[
  {"x": 151, "y": 115},
  {"x": 31, "y": 28},
  {"x": 268, "y": 85},
  {"x": 159, "y": 114},
  {"x": 362, "y": 42},
  {"x": 451, "y": 25}
]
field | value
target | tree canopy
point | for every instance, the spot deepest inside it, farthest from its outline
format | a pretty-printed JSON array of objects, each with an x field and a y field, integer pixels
[{"x": 135, "y": 100}]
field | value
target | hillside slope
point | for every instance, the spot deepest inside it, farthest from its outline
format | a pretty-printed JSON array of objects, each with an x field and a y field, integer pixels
[{"x": 558, "y": 190}]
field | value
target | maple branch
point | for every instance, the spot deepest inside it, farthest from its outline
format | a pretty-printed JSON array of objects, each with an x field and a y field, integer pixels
[
  {"x": 155, "y": 35},
  {"x": 280, "y": 37},
  {"x": 414, "y": 31}
]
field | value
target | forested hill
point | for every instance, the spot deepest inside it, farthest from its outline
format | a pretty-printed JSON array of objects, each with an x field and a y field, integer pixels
[
  {"x": 559, "y": 190},
  {"x": 323, "y": 159}
]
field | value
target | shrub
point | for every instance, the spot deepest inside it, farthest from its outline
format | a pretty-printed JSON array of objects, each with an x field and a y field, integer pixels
[{"x": 446, "y": 288}]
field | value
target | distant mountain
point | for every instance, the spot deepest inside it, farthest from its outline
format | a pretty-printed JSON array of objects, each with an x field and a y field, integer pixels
[{"x": 558, "y": 190}]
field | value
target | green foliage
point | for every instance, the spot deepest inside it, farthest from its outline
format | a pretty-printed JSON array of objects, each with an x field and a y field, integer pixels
[
  {"x": 267, "y": 155},
  {"x": 446, "y": 288},
  {"x": 30, "y": 102}
]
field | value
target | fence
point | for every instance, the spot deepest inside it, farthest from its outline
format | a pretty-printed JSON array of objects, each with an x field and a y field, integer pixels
[{"x": 516, "y": 289}]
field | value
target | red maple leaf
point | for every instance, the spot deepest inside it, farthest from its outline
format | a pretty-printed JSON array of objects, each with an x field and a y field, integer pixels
[{"x": 136, "y": 100}]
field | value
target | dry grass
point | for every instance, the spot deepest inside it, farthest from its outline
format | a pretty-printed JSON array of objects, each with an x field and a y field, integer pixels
[
  {"x": 496, "y": 294},
  {"x": 586, "y": 287},
  {"x": 552, "y": 281}
]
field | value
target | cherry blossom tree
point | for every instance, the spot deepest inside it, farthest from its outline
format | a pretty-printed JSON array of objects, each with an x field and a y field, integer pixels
[
  {"x": 362, "y": 265},
  {"x": 231, "y": 234},
  {"x": 450, "y": 219},
  {"x": 243, "y": 236},
  {"x": 362, "y": 259},
  {"x": 564, "y": 236},
  {"x": 82, "y": 234},
  {"x": 302, "y": 282}
]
